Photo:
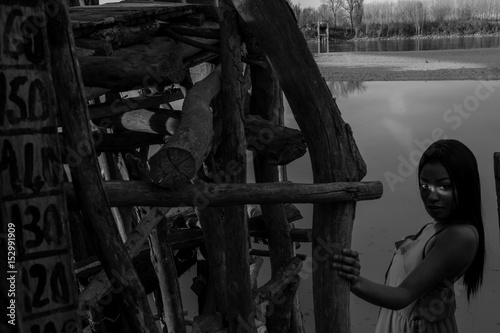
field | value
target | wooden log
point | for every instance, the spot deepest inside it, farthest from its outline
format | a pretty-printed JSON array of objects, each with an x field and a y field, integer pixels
[
  {"x": 232, "y": 151},
  {"x": 266, "y": 253},
  {"x": 279, "y": 144},
  {"x": 181, "y": 157},
  {"x": 138, "y": 66},
  {"x": 496, "y": 168},
  {"x": 333, "y": 152},
  {"x": 267, "y": 103},
  {"x": 86, "y": 176},
  {"x": 135, "y": 193},
  {"x": 163, "y": 261},
  {"x": 121, "y": 35},
  {"x": 274, "y": 287},
  {"x": 120, "y": 106},
  {"x": 209, "y": 30},
  {"x": 38, "y": 293},
  {"x": 99, "y": 47}
]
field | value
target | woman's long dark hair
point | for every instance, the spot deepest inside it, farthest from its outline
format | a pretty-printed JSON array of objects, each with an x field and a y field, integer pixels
[{"x": 461, "y": 166}]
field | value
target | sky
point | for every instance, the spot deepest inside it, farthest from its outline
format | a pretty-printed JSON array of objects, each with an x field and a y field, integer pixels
[{"x": 317, "y": 3}]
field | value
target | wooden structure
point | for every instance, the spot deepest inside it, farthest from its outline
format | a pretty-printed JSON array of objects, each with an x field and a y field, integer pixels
[{"x": 138, "y": 217}]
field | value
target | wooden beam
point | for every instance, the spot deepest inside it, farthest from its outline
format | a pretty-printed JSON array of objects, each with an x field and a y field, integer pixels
[
  {"x": 496, "y": 168},
  {"x": 333, "y": 152},
  {"x": 138, "y": 66},
  {"x": 135, "y": 193},
  {"x": 267, "y": 104},
  {"x": 38, "y": 293},
  {"x": 86, "y": 176},
  {"x": 180, "y": 158}
]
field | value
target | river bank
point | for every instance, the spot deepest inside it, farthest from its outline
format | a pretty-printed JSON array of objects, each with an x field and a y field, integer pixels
[{"x": 468, "y": 64}]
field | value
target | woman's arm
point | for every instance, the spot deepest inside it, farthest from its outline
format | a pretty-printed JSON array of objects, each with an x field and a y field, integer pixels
[{"x": 453, "y": 250}]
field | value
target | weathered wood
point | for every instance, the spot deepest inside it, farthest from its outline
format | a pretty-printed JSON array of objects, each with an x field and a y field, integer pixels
[
  {"x": 333, "y": 152},
  {"x": 232, "y": 151},
  {"x": 120, "y": 106},
  {"x": 267, "y": 102},
  {"x": 86, "y": 176},
  {"x": 274, "y": 287},
  {"x": 208, "y": 324},
  {"x": 36, "y": 245},
  {"x": 279, "y": 144},
  {"x": 138, "y": 66},
  {"x": 120, "y": 36},
  {"x": 163, "y": 261},
  {"x": 496, "y": 167},
  {"x": 99, "y": 47},
  {"x": 209, "y": 30},
  {"x": 100, "y": 285},
  {"x": 180, "y": 158},
  {"x": 197, "y": 19},
  {"x": 86, "y": 20},
  {"x": 135, "y": 193},
  {"x": 265, "y": 253}
]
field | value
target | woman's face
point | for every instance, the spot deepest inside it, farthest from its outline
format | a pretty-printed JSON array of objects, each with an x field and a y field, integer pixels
[{"x": 436, "y": 190}]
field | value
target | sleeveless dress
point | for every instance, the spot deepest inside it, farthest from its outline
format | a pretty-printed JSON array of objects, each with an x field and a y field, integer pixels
[{"x": 434, "y": 312}]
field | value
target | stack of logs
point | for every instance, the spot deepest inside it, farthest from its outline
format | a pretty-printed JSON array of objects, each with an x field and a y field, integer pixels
[{"x": 138, "y": 217}]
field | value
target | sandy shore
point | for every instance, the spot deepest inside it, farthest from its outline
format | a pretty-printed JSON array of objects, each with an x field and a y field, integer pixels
[{"x": 472, "y": 64}]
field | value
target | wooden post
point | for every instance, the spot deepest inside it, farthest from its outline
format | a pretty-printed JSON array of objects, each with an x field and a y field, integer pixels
[
  {"x": 86, "y": 175},
  {"x": 267, "y": 102},
  {"x": 231, "y": 154},
  {"x": 333, "y": 152},
  {"x": 163, "y": 261},
  {"x": 496, "y": 167},
  {"x": 40, "y": 294}
]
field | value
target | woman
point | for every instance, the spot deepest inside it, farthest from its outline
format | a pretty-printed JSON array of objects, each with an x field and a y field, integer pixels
[{"x": 418, "y": 294}]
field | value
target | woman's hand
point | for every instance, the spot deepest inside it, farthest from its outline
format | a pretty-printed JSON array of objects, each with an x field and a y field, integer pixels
[{"x": 347, "y": 263}]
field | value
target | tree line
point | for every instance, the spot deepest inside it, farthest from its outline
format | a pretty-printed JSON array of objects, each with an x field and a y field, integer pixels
[{"x": 401, "y": 18}]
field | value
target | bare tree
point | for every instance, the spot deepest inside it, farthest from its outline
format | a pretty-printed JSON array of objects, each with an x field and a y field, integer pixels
[
  {"x": 354, "y": 12},
  {"x": 335, "y": 6}
]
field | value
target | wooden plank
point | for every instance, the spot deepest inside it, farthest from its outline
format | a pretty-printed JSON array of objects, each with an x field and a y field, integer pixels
[
  {"x": 496, "y": 168},
  {"x": 136, "y": 193},
  {"x": 333, "y": 152},
  {"x": 39, "y": 293},
  {"x": 86, "y": 175}
]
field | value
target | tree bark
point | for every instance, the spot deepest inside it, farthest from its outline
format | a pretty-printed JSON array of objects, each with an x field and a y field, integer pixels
[
  {"x": 333, "y": 152},
  {"x": 136, "y": 193},
  {"x": 86, "y": 176},
  {"x": 180, "y": 158},
  {"x": 231, "y": 155}
]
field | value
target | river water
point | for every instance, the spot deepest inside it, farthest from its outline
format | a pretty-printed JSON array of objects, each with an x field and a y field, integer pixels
[
  {"x": 392, "y": 123},
  {"x": 407, "y": 44}
]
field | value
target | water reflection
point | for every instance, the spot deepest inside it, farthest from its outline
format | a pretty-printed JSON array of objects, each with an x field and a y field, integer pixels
[
  {"x": 345, "y": 88},
  {"x": 407, "y": 44}
]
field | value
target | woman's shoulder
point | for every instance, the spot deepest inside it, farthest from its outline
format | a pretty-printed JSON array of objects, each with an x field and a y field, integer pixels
[{"x": 461, "y": 233}]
